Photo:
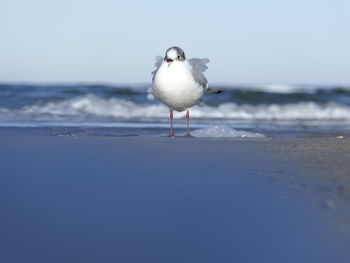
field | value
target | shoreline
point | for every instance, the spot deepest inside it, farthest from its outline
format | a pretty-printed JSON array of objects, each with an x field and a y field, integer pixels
[{"x": 156, "y": 130}]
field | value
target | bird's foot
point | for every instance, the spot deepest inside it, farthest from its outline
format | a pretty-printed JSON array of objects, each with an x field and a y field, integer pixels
[{"x": 187, "y": 135}]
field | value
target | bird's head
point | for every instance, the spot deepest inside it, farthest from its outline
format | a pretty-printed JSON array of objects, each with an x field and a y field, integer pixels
[{"x": 174, "y": 53}]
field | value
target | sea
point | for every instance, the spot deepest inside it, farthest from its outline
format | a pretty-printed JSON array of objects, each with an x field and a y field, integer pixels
[{"x": 131, "y": 110}]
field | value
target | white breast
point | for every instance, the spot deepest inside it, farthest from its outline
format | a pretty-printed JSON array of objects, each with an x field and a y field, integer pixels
[{"x": 175, "y": 86}]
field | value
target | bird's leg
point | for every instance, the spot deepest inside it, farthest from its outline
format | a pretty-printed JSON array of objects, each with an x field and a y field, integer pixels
[
  {"x": 171, "y": 134},
  {"x": 188, "y": 124}
]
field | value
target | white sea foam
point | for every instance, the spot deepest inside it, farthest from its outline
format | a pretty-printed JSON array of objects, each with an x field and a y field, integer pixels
[
  {"x": 278, "y": 88},
  {"x": 91, "y": 107},
  {"x": 223, "y": 132},
  {"x": 295, "y": 111}
]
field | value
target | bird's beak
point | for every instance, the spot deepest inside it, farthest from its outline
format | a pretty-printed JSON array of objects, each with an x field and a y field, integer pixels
[{"x": 169, "y": 60}]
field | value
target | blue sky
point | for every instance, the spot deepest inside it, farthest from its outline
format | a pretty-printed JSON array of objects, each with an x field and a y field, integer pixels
[{"x": 257, "y": 42}]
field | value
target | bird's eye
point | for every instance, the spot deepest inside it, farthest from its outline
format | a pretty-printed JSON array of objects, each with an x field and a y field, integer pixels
[{"x": 178, "y": 57}]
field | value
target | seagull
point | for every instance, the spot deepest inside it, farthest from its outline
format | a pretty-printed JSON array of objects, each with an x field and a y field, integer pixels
[{"x": 180, "y": 83}]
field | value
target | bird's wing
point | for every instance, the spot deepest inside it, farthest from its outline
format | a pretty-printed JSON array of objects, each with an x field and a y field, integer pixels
[
  {"x": 159, "y": 61},
  {"x": 198, "y": 67}
]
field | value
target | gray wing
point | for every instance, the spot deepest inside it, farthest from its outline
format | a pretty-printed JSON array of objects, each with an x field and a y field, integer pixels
[
  {"x": 198, "y": 67},
  {"x": 159, "y": 61}
]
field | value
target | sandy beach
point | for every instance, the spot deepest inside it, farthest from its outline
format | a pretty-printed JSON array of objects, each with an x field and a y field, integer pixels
[{"x": 89, "y": 198}]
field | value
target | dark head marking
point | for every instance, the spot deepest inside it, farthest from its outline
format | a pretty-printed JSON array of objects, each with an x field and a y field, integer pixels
[{"x": 174, "y": 53}]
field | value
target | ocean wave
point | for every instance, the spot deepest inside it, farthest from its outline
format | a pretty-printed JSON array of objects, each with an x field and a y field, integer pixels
[
  {"x": 92, "y": 107},
  {"x": 284, "y": 89},
  {"x": 287, "y": 89}
]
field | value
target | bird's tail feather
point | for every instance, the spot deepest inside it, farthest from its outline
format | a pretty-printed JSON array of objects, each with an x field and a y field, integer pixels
[{"x": 213, "y": 91}]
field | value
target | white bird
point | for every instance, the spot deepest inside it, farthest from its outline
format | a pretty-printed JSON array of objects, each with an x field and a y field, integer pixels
[{"x": 179, "y": 83}]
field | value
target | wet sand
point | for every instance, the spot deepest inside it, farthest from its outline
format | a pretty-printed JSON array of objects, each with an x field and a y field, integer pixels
[{"x": 152, "y": 199}]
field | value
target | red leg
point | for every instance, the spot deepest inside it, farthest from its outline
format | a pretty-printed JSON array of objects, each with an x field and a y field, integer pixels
[
  {"x": 171, "y": 134},
  {"x": 188, "y": 123}
]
